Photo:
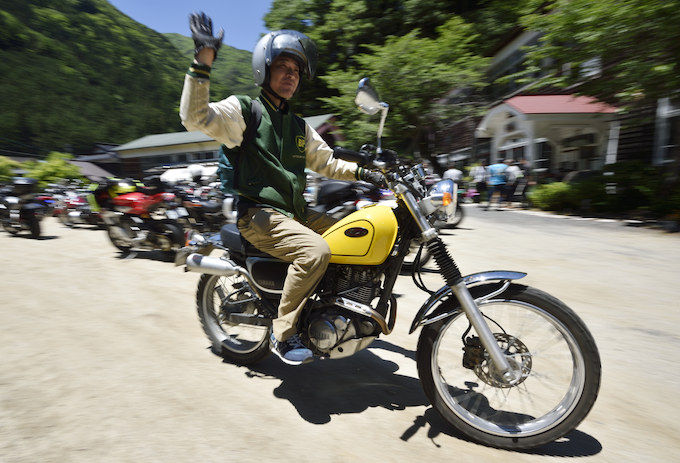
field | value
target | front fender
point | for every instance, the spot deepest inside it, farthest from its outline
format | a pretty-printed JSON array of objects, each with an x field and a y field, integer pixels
[{"x": 473, "y": 279}]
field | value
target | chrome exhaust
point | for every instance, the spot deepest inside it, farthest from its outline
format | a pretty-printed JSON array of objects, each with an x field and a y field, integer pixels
[
  {"x": 222, "y": 267},
  {"x": 213, "y": 265}
]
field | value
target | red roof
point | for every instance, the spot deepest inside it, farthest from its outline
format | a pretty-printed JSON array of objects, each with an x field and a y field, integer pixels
[{"x": 558, "y": 104}]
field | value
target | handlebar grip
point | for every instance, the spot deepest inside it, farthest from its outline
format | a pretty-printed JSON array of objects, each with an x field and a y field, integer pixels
[{"x": 345, "y": 154}]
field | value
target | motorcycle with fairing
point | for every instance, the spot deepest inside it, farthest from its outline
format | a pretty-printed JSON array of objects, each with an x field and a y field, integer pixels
[{"x": 505, "y": 364}]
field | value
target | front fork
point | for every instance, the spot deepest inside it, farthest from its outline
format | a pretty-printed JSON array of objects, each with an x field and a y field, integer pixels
[{"x": 455, "y": 281}]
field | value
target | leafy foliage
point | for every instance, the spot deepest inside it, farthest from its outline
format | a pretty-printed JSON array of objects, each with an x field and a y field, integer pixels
[
  {"x": 415, "y": 51},
  {"x": 53, "y": 169},
  {"x": 411, "y": 88},
  {"x": 635, "y": 42},
  {"x": 624, "y": 188},
  {"x": 77, "y": 72},
  {"x": 7, "y": 167},
  {"x": 231, "y": 73}
]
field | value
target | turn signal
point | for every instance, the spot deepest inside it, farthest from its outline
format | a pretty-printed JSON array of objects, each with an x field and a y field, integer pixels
[{"x": 447, "y": 198}]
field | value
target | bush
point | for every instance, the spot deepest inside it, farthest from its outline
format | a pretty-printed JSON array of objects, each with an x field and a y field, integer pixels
[
  {"x": 623, "y": 188},
  {"x": 53, "y": 170},
  {"x": 7, "y": 167},
  {"x": 550, "y": 196}
]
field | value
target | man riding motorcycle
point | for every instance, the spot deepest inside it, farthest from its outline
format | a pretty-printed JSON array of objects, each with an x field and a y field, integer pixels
[{"x": 270, "y": 172}]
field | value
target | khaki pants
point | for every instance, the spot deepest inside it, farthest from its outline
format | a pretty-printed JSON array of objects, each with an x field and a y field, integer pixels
[{"x": 302, "y": 245}]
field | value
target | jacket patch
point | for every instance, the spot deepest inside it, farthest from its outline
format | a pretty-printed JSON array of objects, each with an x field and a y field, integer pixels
[{"x": 300, "y": 143}]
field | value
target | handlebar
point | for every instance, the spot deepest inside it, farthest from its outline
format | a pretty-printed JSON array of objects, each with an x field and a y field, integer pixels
[{"x": 360, "y": 157}]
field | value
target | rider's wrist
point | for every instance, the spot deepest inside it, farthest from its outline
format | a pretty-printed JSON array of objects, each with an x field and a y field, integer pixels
[{"x": 199, "y": 70}]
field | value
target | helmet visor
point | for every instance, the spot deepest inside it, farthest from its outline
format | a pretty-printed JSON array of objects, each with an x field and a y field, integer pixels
[{"x": 298, "y": 45}]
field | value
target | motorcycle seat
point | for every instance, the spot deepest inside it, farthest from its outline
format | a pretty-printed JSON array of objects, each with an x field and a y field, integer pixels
[
  {"x": 211, "y": 206},
  {"x": 233, "y": 239}
]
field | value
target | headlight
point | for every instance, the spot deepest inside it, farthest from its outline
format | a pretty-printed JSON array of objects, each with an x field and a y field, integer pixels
[{"x": 441, "y": 198}]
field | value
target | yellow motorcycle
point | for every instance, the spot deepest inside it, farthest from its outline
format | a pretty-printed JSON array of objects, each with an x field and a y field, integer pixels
[{"x": 507, "y": 365}]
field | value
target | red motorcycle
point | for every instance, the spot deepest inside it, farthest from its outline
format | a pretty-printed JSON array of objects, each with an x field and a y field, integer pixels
[{"x": 145, "y": 219}]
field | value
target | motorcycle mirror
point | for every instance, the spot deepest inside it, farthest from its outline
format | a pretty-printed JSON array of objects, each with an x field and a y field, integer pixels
[
  {"x": 368, "y": 102},
  {"x": 367, "y": 98}
]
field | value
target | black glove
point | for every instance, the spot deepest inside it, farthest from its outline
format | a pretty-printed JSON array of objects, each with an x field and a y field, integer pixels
[
  {"x": 374, "y": 177},
  {"x": 202, "y": 33}
]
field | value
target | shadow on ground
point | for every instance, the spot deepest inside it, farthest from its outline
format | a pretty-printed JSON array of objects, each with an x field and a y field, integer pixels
[{"x": 325, "y": 388}]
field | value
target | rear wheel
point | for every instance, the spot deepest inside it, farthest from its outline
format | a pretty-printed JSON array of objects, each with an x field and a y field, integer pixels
[
  {"x": 175, "y": 233},
  {"x": 217, "y": 298},
  {"x": 547, "y": 345}
]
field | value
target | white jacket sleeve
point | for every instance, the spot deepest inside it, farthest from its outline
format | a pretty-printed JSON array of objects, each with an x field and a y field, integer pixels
[
  {"x": 320, "y": 158},
  {"x": 222, "y": 121}
]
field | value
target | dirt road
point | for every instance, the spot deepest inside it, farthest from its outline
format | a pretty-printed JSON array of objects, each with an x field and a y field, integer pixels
[{"x": 102, "y": 359}]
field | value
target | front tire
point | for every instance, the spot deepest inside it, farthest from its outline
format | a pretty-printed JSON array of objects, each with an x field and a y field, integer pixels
[
  {"x": 216, "y": 298},
  {"x": 543, "y": 338},
  {"x": 453, "y": 220},
  {"x": 122, "y": 233},
  {"x": 34, "y": 226}
]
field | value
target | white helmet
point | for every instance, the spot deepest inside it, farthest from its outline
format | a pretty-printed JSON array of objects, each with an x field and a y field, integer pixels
[
  {"x": 290, "y": 42},
  {"x": 196, "y": 172}
]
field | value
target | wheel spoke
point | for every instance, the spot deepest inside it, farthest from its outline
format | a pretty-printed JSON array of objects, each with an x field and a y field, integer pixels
[
  {"x": 536, "y": 343},
  {"x": 217, "y": 298}
]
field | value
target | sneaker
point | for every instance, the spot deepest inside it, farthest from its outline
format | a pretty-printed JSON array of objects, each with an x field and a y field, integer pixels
[{"x": 291, "y": 351}]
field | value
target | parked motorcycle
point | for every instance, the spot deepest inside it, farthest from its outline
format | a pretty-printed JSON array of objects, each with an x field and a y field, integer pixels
[
  {"x": 505, "y": 364},
  {"x": 145, "y": 219},
  {"x": 339, "y": 198},
  {"x": 19, "y": 209},
  {"x": 204, "y": 211},
  {"x": 74, "y": 207}
]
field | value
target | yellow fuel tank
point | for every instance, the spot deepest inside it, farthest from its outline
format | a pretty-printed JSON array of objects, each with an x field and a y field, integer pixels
[{"x": 365, "y": 237}]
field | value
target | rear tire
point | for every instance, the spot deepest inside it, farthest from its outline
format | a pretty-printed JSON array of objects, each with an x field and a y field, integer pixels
[{"x": 217, "y": 297}]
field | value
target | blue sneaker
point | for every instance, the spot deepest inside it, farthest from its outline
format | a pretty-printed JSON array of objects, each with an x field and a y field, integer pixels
[{"x": 291, "y": 351}]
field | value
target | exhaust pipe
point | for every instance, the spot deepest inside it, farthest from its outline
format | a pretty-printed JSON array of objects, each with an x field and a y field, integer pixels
[
  {"x": 213, "y": 265},
  {"x": 222, "y": 267}
]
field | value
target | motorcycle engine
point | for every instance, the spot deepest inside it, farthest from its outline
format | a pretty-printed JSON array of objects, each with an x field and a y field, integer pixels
[{"x": 336, "y": 332}]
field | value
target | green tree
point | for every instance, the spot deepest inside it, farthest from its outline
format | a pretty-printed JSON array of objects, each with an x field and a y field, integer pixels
[
  {"x": 7, "y": 167},
  {"x": 345, "y": 29},
  {"x": 412, "y": 74},
  {"x": 52, "y": 170},
  {"x": 635, "y": 44},
  {"x": 79, "y": 72}
]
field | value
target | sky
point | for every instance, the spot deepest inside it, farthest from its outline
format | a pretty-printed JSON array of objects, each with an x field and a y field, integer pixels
[{"x": 242, "y": 20}]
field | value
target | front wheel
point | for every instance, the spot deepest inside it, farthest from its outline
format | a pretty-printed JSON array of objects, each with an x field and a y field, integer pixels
[
  {"x": 34, "y": 226},
  {"x": 7, "y": 222},
  {"x": 122, "y": 233},
  {"x": 217, "y": 298},
  {"x": 454, "y": 219},
  {"x": 542, "y": 338}
]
